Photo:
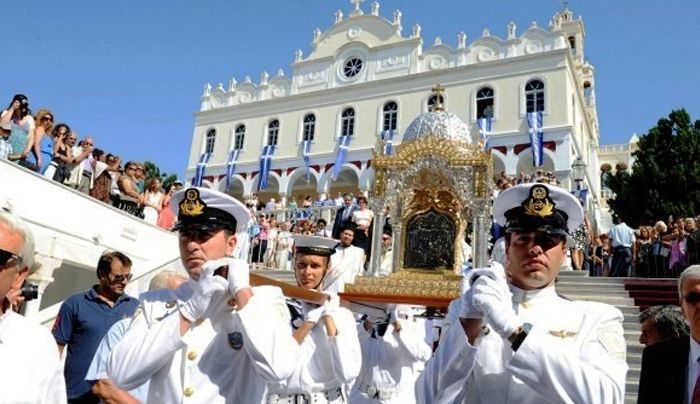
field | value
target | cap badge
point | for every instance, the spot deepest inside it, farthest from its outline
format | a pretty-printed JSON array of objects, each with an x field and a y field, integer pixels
[
  {"x": 192, "y": 204},
  {"x": 235, "y": 340},
  {"x": 538, "y": 203}
]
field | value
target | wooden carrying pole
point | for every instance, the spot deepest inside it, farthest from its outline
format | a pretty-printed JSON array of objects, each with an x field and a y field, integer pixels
[{"x": 289, "y": 290}]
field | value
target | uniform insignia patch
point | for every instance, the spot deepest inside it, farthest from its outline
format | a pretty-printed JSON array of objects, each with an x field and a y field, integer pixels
[
  {"x": 235, "y": 339},
  {"x": 562, "y": 333},
  {"x": 170, "y": 304},
  {"x": 192, "y": 204}
]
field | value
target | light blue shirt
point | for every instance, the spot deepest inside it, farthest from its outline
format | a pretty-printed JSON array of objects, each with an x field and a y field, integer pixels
[
  {"x": 98, "y": 367},
  {"x": 621, "y": 235}
]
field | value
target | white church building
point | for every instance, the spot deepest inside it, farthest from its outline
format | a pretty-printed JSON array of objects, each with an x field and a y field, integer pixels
[{"x": 367, "y": 74}]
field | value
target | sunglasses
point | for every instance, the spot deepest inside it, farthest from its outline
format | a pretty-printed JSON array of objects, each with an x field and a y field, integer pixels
[
  {"x": 48, "y": 118},
  {"x": 119, "y": 278},
  {"x": 544, "y": 240},
  {"x": 692, "y": 298},
  {"x": 6, "y": 256}
]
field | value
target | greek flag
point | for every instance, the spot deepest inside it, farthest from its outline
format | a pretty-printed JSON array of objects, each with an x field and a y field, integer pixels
[
  {"x": 231, "y": 166},
  {"x": 265, "y": 162},
  {"x": 485, "y": 131},
  {"x": 388, "y": 138},
  {"x": 201, "y": 166},
  {"x": 343, "y": 144},
  {"x": 534, "y": 121},
  {"x": 306, "y": 148},
  {"x": 581, "y": 194}
]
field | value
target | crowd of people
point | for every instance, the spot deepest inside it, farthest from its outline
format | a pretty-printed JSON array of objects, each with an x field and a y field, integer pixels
[{"x": 53, "y": 150}]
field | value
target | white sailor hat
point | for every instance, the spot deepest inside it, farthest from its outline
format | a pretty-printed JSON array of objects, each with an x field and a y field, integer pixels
[
  {"x": 204, "y": 207},
  {"x": 537, "y": 207},
  {"x": 314, "y": 245}
]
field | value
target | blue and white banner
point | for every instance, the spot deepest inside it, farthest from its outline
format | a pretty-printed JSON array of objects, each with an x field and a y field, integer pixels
[
  {"x": 201, "y": 167},
  {"x": 485, "y": 131},
  {"x": 231, "y": 166},
  {"x": 343, "y": 143},
  {"x": 305, "y": 150},
  {"x": 388, "y": 139},
  {"x": 534, "y": 121},
  {"x": 265, "y": 163}
]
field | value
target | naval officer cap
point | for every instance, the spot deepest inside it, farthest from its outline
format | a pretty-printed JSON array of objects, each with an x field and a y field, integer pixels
[
  {"x": 537, "y": 207},
  {"x": 314, "y": 245},
  {"x": 206, "y": 208}
]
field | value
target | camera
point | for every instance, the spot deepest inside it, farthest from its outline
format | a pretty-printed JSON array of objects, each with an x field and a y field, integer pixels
[{"x": 29, "y": 292}]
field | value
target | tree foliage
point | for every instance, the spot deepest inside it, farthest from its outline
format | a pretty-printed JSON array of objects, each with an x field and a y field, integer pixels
[
  {"x": 665, "y": 178},
  {"x": 152, "y": 171}
]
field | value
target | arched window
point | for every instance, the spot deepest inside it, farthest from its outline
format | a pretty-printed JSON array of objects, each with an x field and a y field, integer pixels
[
  {"x": 572, "y": 44},
  {"x": 210, "y": 140},
  {"x": 239, "y": 137},
  {"x": 309, "y": 127},
  {"x": 433, "y": 101},
  {"x": 347, "y": 123},
  {"x": 391, "y": 113},
  {"x": 484, "y": 103},
  {"x": 534, "y": 96},
  {"x": 273, "y": 130}
]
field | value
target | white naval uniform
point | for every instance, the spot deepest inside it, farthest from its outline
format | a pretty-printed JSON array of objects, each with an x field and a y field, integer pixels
[
  {"x": 346, "y": 264},
  {"x": 226, "y": 358},
  {"x": 388, "y": 364},
  {"x": 575, "y": 353},
  {"x": 325, "y": 363},
  {"x": 30, "y": 367}
]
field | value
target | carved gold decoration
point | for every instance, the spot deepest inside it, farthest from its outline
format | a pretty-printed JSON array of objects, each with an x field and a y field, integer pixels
[
  {"x": 454, "y": 152},
  {"x": 443, "y": 285}
]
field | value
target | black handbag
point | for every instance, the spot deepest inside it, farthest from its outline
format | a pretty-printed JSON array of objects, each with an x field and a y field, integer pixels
[{"x": 62, "y": 172}]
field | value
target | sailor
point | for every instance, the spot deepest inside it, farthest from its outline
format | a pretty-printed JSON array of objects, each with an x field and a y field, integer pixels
[
  {"x": 329, "y": 355},
  {"x": 512, "y": 339},
  {"x": 214, "y": 339},
  {"x": 393, "y": 348}
]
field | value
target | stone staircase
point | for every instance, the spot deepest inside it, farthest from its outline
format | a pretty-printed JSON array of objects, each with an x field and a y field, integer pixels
[{"x": 577, "y": 285}]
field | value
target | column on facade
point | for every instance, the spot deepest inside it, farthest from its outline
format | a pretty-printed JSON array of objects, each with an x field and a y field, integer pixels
[
  {"x": 283, "y": 203},
  {"x": 43, "y": 277}
]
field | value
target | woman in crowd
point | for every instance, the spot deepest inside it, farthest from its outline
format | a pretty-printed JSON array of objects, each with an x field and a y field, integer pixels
[
  {"x": 676, "y": 242},
  {"x": 643, "y": 251},
  {"x": 580, "y": 239},
  {"x": 260, "y": 241},
  {"x": 20, "y": 117},
  {"x": 597, "y": 257},
  {"x": 129, "y": 197},
  {"x": 102, "y": 181},
  {"x": 58, "y": 135},
  {"x": 166, "y": 218},
  {"x": 362, "y": 217},
  {"x": 63, "y": 157},
  {"x": 42, "y": 148},
  {"x": 329, "y": 356},
  {"x": 606, "y": 254},
  {"x": 152, "y": 201},
  {"x": 660, "y": 251},
  {"x": 270, "y": 253},
  {"x": 283, "y": 247}
]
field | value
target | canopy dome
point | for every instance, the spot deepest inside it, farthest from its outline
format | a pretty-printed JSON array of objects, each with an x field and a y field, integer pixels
[{"x": 440, "y": 123}]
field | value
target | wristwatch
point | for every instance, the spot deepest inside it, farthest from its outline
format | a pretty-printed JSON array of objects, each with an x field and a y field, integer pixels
[{"x": 520, "y": 337}]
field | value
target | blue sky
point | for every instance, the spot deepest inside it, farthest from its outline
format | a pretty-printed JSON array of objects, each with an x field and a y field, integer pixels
[{"x": 131, "y": 73}]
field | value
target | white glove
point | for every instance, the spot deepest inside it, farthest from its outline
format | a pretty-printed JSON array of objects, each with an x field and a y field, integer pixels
[
  {"x": 494, "y": 271},
  {"x": 312, "y": 312},
  {"x": 494, "y": 299},
  {"x": 467, "y": 308},
  {"x": 202, "y": 292},
  {"x": 238, "y": 275},
  {"x": 393, "y": 314},
  {"x": 332, "y": 304}
]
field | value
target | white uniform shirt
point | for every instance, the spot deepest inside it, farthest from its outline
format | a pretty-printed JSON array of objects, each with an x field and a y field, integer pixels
[
  {"x": 30, "y": 368},
  {"x": 575, "y": 353},
  {"x": 346, "y": 264},
  {"x": 389, "y": 362},
  {"x": 228, "y": 357},
  {"x": 387, "y": 262},
  {"x": 324, "y": 363}
]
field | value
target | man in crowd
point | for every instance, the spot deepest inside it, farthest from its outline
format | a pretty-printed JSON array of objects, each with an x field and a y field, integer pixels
[
  {"x": 80, "y": 179},
  {"x": 386, "y": 264},
  {"x": 6, "y": 151},
  {"x": 347, "y": 263},
  {"x": 97, "y": 373},
  {"x": 692, "y": 244},
  {"x": 670, "y": 369},
  {"x": 321, "y": 229},
  {"x": 85, "y": 317},
  {"x": 511, "y": 338},
  {"x": 622, "y": 239},
  {"x": 343, "y": 217},
  {"x": 214, "y": 339},
  {"x": 31, "y": 370},
  {"x": 662, "y": 323}
]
